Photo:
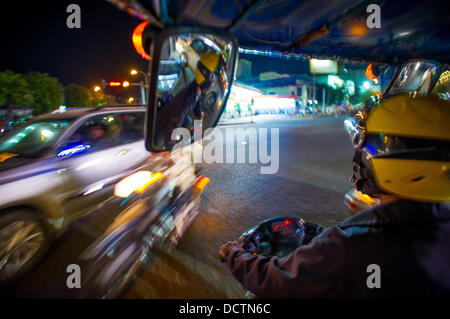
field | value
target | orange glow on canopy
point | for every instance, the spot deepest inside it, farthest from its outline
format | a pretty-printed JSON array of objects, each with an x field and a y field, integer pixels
[
  {"x": 369, "y": 72},
  {"x": 137, "y": 40},
  {"x": 358, "y": 30}
]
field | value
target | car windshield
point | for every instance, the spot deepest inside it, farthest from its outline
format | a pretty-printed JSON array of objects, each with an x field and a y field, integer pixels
[
  {"x": 32, "y": 139},
  {"x": 415, "y": 77}
]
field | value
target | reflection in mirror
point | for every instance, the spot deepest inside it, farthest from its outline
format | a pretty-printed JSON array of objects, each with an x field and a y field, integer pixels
[
  {"x": 193, "y": 83},
  {"x": 415, "y": 77}
]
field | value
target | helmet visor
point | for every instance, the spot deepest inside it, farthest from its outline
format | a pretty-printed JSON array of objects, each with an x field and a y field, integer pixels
[{"x": 380, "y": 145}]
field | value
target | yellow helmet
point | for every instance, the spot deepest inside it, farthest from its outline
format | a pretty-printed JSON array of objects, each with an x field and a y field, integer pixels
[
  {"x": 404, "y": 149},
  {"x": 208, "y": 65}
]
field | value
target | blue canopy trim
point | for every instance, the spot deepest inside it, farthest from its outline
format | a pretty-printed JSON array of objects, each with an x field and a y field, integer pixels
[{"x": 316, "y": 28}]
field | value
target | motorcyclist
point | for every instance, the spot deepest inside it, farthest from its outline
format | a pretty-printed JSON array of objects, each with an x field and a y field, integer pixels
[
  {"x": 402, "y": 157},
  {"x": 175, "y": 113}
]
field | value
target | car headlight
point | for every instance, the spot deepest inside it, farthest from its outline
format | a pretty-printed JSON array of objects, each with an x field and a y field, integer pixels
[{"x": 137, "y": 182}]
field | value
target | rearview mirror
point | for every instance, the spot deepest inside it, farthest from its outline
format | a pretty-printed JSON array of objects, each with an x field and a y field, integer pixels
[{"x": 191, "y": 75}]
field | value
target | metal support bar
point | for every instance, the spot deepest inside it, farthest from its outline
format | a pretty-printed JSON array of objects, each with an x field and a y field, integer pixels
[
  {"x": 136, "y": 9},
  {"x": 245, "y": 15},
  {"x": 325, "y": 29},
  {"x": 164, "y": 12}
]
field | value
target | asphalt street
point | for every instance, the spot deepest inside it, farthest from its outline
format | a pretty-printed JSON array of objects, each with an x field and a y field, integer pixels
[
  {"x": 315, "y": 157},
  {"x": 314, "y": 165}
]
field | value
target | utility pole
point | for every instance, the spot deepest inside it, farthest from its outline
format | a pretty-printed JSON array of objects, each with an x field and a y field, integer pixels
[
  {"x": 323, "y": 98},
  {"x": 314, "y": 92},
  {"x": 143, "y": 84}
]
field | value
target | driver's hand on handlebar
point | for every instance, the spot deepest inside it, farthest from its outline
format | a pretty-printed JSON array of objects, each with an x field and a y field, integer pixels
[{"x": 225, "y": 249}]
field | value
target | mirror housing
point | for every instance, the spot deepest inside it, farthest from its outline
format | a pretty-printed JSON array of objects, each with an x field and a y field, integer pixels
[{"x": 211, "y": 103}]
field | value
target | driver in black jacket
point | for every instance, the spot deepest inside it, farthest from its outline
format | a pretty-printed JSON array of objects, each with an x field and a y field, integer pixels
[
  {"x": 175, "y": 113},
  {"x": 398, "y": 249}
]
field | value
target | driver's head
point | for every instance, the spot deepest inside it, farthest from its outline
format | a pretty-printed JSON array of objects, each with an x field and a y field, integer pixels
[
  {"x": 402, "y": 148},
  {"x": 96, "y": 131},
  {"x": 208, "y": 69}
]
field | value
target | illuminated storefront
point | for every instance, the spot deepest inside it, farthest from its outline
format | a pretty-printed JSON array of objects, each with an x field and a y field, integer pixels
[{"x": 240, "y": 101}]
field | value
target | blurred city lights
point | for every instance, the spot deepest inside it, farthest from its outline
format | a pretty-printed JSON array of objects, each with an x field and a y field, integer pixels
[
  {"x": 322, "y": 66},
  {"x": 334, "y": 81},
  {"x": 271, "y": 54},
  {"x": 366, "y": 85},
  {"x": 46, "y": 134}
]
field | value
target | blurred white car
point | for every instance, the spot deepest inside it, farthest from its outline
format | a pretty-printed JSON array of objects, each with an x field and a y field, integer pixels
[{"x": 60, "y": 166}]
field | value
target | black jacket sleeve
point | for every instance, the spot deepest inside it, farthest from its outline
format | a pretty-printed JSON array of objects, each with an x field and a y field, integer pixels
[
  {"x": 197, "y": 109},
  {"x": 313, "y": 270}
]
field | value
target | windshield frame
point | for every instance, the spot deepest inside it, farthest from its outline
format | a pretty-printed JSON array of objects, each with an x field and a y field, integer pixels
[{"x": 440, "y": 68}]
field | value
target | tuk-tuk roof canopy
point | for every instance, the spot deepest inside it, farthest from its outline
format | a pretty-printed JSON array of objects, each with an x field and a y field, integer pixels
[{"x": 316, "y": 28}]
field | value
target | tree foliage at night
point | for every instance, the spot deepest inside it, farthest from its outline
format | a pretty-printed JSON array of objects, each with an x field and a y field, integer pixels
[
  {"x": 98, "y": 98},
  {"x": 77, "y": 95},
  {"x": 37, "y": 90},
  {"x": 360, "y": 96},
  {"x": 44, "y": 93},
  {"x": 335, "y": 95},
  {"x": 14, "y": 90},
  {"x": 47, "y": 92}
]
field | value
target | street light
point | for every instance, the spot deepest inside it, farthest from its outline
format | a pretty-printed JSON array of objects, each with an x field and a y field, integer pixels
[
  {"x": 131, "y": 100},
  {"x": 125, "y": 84},
  {"x": 97, "y": 88},
  {"x": 144, "y": 86}
]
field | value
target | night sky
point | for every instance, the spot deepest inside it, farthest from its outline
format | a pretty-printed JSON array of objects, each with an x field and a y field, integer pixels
[{"x": 34, "y": 37}]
